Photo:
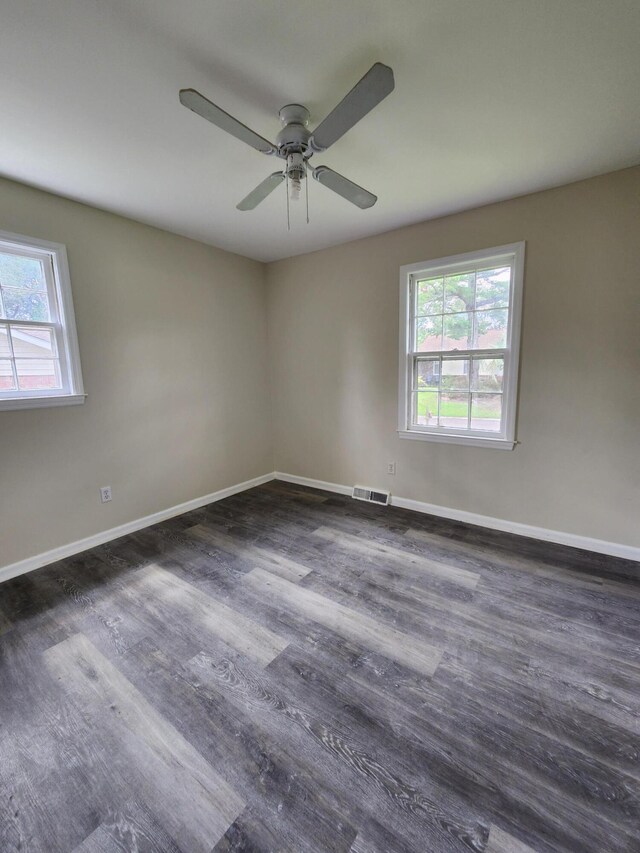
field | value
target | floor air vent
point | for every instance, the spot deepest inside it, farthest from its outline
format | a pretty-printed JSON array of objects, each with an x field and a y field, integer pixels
[{"x": 361, "y": 493}]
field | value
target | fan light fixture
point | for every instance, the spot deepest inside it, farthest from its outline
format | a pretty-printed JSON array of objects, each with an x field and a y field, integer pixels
[
  {"x": 295, "y": 174},
  {"x": 295, "y": 144}
]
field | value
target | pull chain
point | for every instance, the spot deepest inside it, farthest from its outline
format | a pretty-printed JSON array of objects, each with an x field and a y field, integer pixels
[
  {"x": 287, "y": 189},
  {"x": 306, "y": 180}
]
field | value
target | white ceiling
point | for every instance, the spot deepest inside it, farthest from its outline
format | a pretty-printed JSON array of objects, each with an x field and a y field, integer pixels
[{"x": 493, "y": 98}]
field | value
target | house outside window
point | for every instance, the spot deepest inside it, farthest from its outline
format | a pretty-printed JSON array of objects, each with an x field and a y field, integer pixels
[
  {"x": 39, "y": 358},
  {"x": 459, "y": 347}
]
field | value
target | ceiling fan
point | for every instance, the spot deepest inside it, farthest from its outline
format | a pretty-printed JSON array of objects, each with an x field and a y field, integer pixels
[{"x": 295, "y": 144}]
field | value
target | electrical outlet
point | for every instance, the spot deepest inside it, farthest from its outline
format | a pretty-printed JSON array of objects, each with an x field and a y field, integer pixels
[
  {"x": 105, "y": 494},
  {"x": 391, "y": 467}
]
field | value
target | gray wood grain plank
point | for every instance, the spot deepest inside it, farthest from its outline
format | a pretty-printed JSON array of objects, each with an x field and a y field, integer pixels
[
  {"x": 5, "y": 623},
  {"x": 387, "y": 552},
  {"x": 563, "y": 718},
  {"x": 539, "y": 563},
  {"x": 455, "y": 621},
  {"x": 345, "y": 760},
  {"x": 250, "y": 833},
  {"x": 377, "y": 636},
  {"x": 271, "y": 561},
  {"x": 374, "y": 838},
  {"x": 131, "y": 828},
  {"x": 565, "y": 774},
  {"x": 49, "y": 756},
  {"x": 501, "y": 842},
  {"x": 357, "y": 717},
  {"x": 205, "y": 614},
  {"x": 289, "y": 801},
  {"x": 194, "y": 804}
]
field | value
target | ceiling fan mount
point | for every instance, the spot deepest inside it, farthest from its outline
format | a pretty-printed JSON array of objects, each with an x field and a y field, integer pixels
[
  {"x": 296, "y": 144},
  {"x": 294, "y": 114}
]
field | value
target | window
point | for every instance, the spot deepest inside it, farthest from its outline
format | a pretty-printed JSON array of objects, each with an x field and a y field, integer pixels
[
  {"x": 459, "y": 346},
  {"x": 39, "y": 360}
]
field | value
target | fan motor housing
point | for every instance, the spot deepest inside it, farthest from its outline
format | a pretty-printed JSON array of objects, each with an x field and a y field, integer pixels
[{"x": 294, "y": 136}]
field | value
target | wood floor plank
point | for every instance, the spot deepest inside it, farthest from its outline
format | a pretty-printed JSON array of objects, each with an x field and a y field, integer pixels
[
  {"x": 194, "y": 804},
  {"x": 580, "y": 684},
  {"x": 374, "y": 838},
  {"x": 443, "y": 570},
  {"x": 281, "y": 488},
  {"x": 565, "y": 775},
  {"x": 288, "y": 800},
  {"x": 269, "y": 560},
  {"x": 501, "y": 842},
  {"x": 592, "y": 786},
  {"x": 250, "y": 833},
  {"x": 451, "y": 623},
  {"x": 454, "y": 620},
  {"x": 374, "y": 635},
  {"x": 132, "y": 828},
  {"x": 203, "y": 613},
  {"x": 49, "y": 756},
  {"x": 510, "y": 545},
  {"x": 541, "y": 563},
  {"x": 591, "y": 731},
  {"x": 5, "y": 622},
  {"x": 82, "y": 611},
  {"x": 390, "y": 794},
  {"x": 356, "y": 715}
]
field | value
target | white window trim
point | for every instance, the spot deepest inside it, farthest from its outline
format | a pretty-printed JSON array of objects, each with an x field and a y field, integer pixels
[
  {"x": 64, "y": 318},
  {"x": 505, "y": 440}
]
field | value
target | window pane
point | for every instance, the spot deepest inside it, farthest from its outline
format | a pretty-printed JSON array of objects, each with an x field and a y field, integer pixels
[
  {"x": 426, "y": 413},
  {"x": 454, "y": 410},
  {"x": 455, "y": 374},
  {"x": 25, "y": 304},
  {"x": 5, "y": 349},
  {"x": 492, "y": 288},
  {"x": 32, "y": 342},
  {"x": 457, "y": 331},
  {"x": 18, "y": 271},
  {"x": 429, "y": 296},
  {"x": 487, "y": 374},
  {"x": 427, "y": 374},
  {"x": 458, "y": 292},
  {"x": 38, "y": 374},
  {"x": 486, "y": 411},
  {"x": 6, "y": 376},
  {"x": 428, "y": 334},
  {"x": 491, "y": 328}
]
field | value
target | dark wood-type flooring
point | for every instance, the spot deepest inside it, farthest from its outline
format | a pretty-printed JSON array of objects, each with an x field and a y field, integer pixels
[{"x": 289, "y": 670}]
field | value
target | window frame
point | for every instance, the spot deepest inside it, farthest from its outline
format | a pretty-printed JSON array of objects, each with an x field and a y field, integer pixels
[
  {"x": 505, "y": 439},
  {"x": 62, "y": 324}
]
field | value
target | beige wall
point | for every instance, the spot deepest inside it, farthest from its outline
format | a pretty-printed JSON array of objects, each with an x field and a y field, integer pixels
[
  {"x": 333, "y": 334},
  {"x": 172, "y": 337}
]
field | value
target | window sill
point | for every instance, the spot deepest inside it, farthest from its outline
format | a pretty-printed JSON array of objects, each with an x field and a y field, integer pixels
[
  {"x": 13, "y": 403},
  {"x": 449, "y": 438}
]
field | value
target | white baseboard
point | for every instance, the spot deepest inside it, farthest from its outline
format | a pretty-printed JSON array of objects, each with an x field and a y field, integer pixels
[
  {"x": 44, "y": 559},
  {"x": 314, "y": 484},
  {"x": 600, "y": 546}
]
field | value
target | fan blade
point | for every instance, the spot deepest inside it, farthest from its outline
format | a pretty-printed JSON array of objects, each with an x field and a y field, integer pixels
[
  {"x": 343, "y": 186},
  {"x": 200, "y": 105},
  {"x": 261, "y": 191},
  {"x": 376, "y": 84}
]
